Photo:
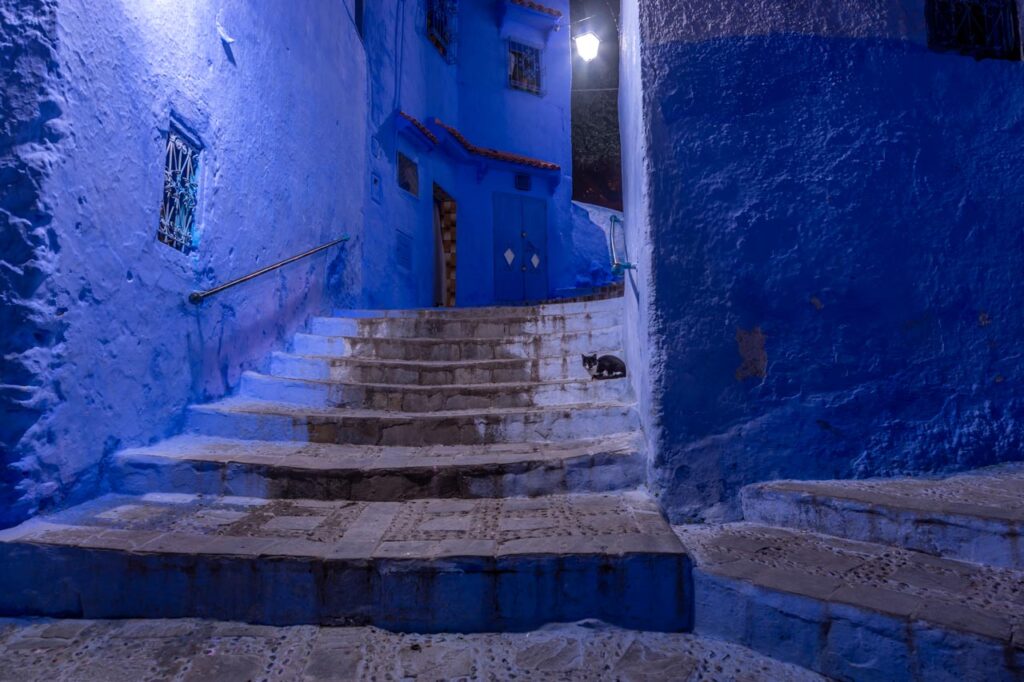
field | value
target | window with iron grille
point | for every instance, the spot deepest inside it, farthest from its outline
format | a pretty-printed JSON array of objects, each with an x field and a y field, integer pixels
[
  {"x": 441, "y": 26},
  {"x": 181, "y": 192},
  {"x": 979, "y": 28},
  {"x": 523, "y": 67}
]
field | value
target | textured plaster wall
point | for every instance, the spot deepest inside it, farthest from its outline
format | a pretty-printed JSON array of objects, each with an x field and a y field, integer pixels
[
  {"x": 101, "y": 349},
  {"x": 407, "y": 73},
  {"x": 829, "y": 229}
]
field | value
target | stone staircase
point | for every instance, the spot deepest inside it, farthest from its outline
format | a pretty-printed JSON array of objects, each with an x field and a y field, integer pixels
[
  {"x": 872, "y": 580},
  {"x": 423, "y": 471}
]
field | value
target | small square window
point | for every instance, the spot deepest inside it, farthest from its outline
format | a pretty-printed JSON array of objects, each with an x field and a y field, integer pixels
[
  {"x": 408, "y": 175},
  {"x": 523, "y": 182},
  {"x": 523, "y": 67},
  {"x": 979, "y": 28},
  {"x": 181, "y": 192},
  {"x": 441, "y": 26}
]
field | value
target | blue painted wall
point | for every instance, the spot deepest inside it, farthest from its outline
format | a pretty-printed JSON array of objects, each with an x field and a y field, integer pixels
[
  {"x": 101, "y": 349},
  {"x": 830, "y": 233},
  {"x": 469, "y": 92}
]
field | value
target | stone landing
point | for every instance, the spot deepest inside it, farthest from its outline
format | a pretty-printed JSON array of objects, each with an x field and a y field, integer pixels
[
  {"x": 201, "y": 651},
  {"x": 500, "y": 564}
]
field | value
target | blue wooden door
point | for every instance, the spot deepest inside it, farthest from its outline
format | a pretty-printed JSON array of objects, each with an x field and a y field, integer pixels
[{"x": 520, "y": 248}]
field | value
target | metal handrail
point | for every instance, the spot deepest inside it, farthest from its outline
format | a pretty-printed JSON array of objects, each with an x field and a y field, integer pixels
[
  {"x": 200, "y": 296},
  {"x": 618, "y": 267}
]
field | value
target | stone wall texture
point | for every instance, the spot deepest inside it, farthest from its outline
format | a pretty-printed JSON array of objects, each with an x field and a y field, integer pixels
[
  {"x": 830, "y": 234},
  {"x": 100, "y": 347}
]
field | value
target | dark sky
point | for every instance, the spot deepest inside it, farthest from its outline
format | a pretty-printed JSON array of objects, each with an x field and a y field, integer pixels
[{"x": 596, "y": 166}]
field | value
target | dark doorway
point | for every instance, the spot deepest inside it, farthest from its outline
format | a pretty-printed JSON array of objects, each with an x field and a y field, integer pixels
[{"x": 444, "y": 248}]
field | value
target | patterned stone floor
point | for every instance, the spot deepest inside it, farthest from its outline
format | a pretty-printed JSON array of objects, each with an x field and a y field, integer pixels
[{"x": 194, "y": 651}]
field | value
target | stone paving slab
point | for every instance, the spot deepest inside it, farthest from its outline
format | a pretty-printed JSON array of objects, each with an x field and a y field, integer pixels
[
  {"x": 288, "y": 469},
  {"x": 206, "y": 651},
  {"x": 424, "y": 565},
  {"x": 977, "y": 516},
  {"x": 265, "y": 420},
  {"x": 909, "y": 614}
]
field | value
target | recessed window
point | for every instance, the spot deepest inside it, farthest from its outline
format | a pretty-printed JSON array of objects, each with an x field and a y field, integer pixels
[
  {"x": 523, "y": 182},
  {"x": 441, "y": 26},
  {"x": 181, "y": 192},
  {"x": 979, "y": 28},
  {"x": 403, "y": 250},
  {"x": 523, "y": 67},
  {"x": 408, "y": 175}
]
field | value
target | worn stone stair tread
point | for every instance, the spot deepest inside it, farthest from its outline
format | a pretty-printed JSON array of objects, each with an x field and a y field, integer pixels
[
  {"x": 181, "y": 523},
  {"x": 423, "y": 565},
  {"x": 290, "y": 469},
  {"x": 432, "y": 388},
  {"x": 907, "y": 586},
  {"x": 427, "y": 364},
  {"x": 247, "y": 405},
  {"x": 328, "y": 456},
  {"x": 974, "y": 516},
  {"x": 528, "y": 312},
  {"x": 466, "y": 340},
  {"x": 90, "y": 650}
]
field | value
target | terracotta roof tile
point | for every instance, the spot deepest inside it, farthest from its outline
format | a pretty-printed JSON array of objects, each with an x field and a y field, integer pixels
[
  {"x": 537, "y": 7},
  {"x": 497, "y": 154},
  {"x": 419, "y": 126}
]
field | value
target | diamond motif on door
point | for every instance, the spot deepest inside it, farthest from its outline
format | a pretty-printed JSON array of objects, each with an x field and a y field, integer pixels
[
  {"x": 536, "y": 261},
  {"x": 510, "y": 256}
]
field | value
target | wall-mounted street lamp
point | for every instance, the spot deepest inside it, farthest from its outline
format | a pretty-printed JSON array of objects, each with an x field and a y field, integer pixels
[{"x": 587, "y": 46}]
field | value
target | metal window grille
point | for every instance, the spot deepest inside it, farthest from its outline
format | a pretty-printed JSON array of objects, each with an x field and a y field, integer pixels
[
  {"x": 441, "y": 26},
  {"x": 980, "y": 28},
  {"x": 408, "y": 175},
  {"x": 181, "y": 192},
  {"x": 524, "y": 67}
]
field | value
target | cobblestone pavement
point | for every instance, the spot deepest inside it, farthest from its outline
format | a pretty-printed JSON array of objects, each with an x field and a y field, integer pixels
[{"x": 195, "y": 650}]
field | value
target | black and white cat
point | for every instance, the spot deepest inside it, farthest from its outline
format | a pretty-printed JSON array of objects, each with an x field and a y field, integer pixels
[{"x": 604, "y": 367}]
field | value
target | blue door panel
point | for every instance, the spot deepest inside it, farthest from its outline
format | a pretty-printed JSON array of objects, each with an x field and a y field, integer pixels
[{"x": 520, "y": 248}]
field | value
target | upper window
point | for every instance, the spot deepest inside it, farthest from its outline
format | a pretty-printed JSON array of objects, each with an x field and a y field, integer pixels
[
  {"x": 181, "y": 192},
  {"x": 980, "y": 28},
  {"x": 408, "y": 175},
  {"x": 523, "y": 67},
  {"x": 441, "y": 26}
]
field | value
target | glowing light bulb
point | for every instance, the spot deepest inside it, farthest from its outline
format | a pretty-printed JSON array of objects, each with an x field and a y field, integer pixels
[{"x": 587, "y": 46}]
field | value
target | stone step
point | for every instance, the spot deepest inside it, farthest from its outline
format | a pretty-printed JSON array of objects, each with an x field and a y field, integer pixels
[
  {"x": 217, "y": 651},
  {"x": 523, "y": 312},
  {"x": 394, "y": 372},
  {"x": 261, "y": 420},
  {"x": 854, "y": 610},
  {"x": 551, "y": 345},
  {"x": 215, "y": 466},
  {"x": 319, "y": 393},
  {"x": 425, "y": 566},
  {"x": 463, "y": 327},
  {"x": 978, "y": 516}
]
